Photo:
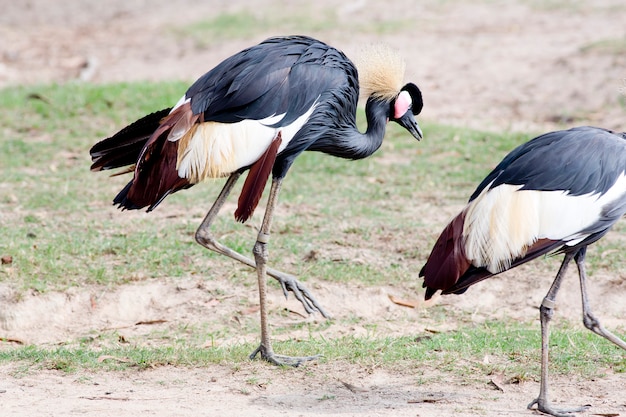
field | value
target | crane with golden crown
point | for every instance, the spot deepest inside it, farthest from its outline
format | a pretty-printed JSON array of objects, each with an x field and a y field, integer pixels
[{"x": 257, "y": 111}]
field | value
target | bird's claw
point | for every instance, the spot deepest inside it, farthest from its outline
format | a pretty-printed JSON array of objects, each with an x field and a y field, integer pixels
[
  {"x": 546, "y": 407},
  {"x": 281, "y": 360},
  {"x": 302, "y": 294}
]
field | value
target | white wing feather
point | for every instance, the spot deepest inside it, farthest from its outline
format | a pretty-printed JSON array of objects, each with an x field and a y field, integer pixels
[{"x": 501, "y": 223}]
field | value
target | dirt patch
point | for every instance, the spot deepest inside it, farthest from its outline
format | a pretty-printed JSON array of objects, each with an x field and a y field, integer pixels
[
  {"x": 493, "y": 66},
  {"x": 252, "y": 390},
  {"x": 167, "y": 304}
]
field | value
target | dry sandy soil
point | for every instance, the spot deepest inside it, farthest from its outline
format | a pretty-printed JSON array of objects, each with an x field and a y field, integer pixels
[{"x": 523, "y": 65}]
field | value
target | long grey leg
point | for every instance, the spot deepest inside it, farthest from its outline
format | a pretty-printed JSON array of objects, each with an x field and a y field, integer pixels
[
  {"x": 261, "y": 256},
  {"x": 288, "y": 282},
  {"x": 590, "y": 321},
  {"x": 545, "y": 314}
]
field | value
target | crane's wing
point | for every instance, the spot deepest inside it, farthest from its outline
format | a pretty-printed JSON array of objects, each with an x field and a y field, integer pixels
[
  {"x": 581, "y": 160},
  {"x": 280, "y": 76}
]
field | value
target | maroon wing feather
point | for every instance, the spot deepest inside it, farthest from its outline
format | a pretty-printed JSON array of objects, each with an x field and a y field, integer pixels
[
  {"x": 448, "y": 269},
  {"x": 252, "y": 189},
  {"x": 447, "y": 261},
  {"x": 474, "y": 275}
]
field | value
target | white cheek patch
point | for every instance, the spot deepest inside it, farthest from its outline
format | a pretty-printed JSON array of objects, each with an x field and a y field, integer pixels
[{"x": 402, "y": 105}]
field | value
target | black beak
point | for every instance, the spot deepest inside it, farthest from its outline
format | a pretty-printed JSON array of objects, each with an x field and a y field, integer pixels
[{"x": 409, "y": 123}]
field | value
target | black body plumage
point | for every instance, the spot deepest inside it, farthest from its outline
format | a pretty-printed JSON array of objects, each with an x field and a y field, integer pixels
[
  {"x": 283, "y": 75},
  {"x": 580, "y": 160}
]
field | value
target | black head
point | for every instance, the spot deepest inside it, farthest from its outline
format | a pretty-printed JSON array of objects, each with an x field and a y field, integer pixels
[
  {"x": 416, "y": 97},
  {"x": 405, "y": 106}
]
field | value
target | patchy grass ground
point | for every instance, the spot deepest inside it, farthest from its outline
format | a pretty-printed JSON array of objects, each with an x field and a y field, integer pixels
[{"x": 107, "y": 312}]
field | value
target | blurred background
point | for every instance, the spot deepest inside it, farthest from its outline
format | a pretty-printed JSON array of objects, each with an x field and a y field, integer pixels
[{"x": 492, "y": 64}]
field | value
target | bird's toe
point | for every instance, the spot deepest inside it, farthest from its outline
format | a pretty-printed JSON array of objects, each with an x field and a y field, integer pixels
[
  {"x": 281, "y": 360},
  {"x": 547, "y": 408}
]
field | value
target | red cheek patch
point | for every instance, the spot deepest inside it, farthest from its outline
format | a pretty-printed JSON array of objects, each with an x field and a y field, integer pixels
[{"x": 402, "y": 105}]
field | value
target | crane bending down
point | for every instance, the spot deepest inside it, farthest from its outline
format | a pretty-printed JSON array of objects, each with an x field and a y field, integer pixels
[
  {"x": 559, "y": 192},
  {"x": 257, "y": 111}
]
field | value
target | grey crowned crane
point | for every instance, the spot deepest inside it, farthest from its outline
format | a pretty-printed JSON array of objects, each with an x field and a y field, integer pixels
[
  {"x": 257, "y": 111},
  {"x": 557, "y": 193}
]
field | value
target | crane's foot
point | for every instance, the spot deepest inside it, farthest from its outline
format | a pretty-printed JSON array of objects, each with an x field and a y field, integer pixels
[
  {"x": 300, "y": 291},
  {"x": 546, "y": 407},
  {"x": 281, "y": 360}
]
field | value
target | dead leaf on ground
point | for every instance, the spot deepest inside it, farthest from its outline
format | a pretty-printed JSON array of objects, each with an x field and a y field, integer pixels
[
  {"x": 403, "y": 303},
  {"x": 148, "y": 322},
  {"x": 93, "y": 301},
  {"x": 36, "y": 96},
  {"x": 433, "y": 331},
  {"x": 353, "y": 388},
  {"x": 311, "y": 256},
  {"x": 497, "y": 383}
]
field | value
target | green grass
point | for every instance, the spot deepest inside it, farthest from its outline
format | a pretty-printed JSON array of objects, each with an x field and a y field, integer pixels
[
  {"x": 513, "y": 350},
  {"x": 613, "y": 46},
  {"x": 288, "y": 20},
  {"x": 49, "y": 223}
]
